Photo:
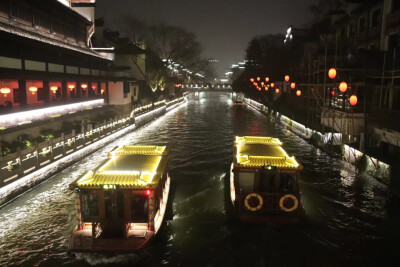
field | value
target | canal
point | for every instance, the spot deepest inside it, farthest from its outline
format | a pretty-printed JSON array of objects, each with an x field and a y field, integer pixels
[{"x": 350, "y": 219}]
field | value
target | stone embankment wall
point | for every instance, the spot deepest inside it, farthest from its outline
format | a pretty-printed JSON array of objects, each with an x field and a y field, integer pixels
[
  {"x": 361, "y": 161},
  {"x": 23, "y": 170}
]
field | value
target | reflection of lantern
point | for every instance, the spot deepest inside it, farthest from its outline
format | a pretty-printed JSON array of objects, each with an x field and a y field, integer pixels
[
  {"x": 277, "y": 90},
  {"x": 5, "y": 91},
  {"x": 84, "y": 86},
  {"x": 272, "y": 85},
  {"x": 287, "y": 78},
  {"x": 292, "y": 85},
  {"x": 54, "y": 89},
  {"x": 71, "y": 87},
  {"x": 252, "y": 80},
  {"x": 258, "y": 78},
  {"x": 33, "y": 90},
  {"x": 343, "y": 87},
  {"x": 267, "y": 79},
  {"x": 353, "y": 100},
  {"x": 298, "y": 93}
]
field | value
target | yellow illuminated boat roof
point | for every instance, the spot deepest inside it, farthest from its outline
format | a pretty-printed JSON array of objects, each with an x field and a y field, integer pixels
[
  {"x": 128, "y": 167},
  {"x": 257, "y": 151}
]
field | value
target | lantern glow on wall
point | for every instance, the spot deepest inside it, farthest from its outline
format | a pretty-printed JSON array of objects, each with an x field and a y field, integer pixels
[
  {"x": 54, "y": 89},
  {"x": 5, "y": 91},
  {"x": 33, "y": 89},
  {"x": 332, "y": 73}
]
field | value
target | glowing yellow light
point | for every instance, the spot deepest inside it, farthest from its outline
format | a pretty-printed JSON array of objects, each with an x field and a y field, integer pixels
[
  {"x": 5, "y": 91},
  {"x": 54, "y": 89},
  {"x": 33, "y": 89}
]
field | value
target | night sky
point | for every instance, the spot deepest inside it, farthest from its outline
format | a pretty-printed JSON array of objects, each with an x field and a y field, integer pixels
[{"x": 224, "y": 27}]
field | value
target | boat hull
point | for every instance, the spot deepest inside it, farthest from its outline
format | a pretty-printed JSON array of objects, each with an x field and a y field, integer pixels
[{"x": 80, "y": 243}]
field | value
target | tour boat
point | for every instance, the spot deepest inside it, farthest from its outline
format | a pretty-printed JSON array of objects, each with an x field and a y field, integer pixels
[
  {"x": 264, "y": 182},
  {"x": 121, "y": 204}
]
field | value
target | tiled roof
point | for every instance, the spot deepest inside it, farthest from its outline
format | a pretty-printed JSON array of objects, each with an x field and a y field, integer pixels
[
  {"x": 128, "y": 167},
  {"x": 27, "y": 32},
  {"x": 256, "y": 151}
]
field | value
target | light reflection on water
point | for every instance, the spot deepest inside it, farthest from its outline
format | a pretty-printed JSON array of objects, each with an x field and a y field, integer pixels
[{"x": 346, "y": 214}]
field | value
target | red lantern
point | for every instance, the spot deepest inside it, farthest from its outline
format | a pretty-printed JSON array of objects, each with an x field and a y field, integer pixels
[
  {"x": 353, "y": 100},
  {"x": 332, "y": 73},
  {"x": 267, "y": 79},
  {"x": 252, "y": 80},
  {"x": 266, "y": 89},
  {"x": 292, "y": 85},
  {"x": 287, "y": 78},
  {"x": 333, "y": 93},
  {"x": 272, "y": 85},
  {"x": 298, "y": 93},
  {"x": 259, "y": 88},
  {"x": 343, "y": 87},
  {"x": 258, "y": 79},
  {"x": 277, "y": 90}
]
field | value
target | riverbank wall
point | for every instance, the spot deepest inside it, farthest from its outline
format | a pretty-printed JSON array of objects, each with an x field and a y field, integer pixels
[
  {"x": 21, "y": 171},
  {"x": 359, "y": 161}
]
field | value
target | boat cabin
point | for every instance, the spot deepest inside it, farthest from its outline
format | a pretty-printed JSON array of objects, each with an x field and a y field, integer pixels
[
  {"x": 121, "y": 204},
  {"x": 264, "y": 181}
]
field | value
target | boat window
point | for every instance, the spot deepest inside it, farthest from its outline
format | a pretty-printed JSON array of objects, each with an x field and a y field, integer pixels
[
  {"x": 120, "y": 204},
  {"x": 108, "y": 204},
  {"x": 287, "y": 182},
  {"x": 90, "y": 205},
  {"x": 246, "y": 181},
  {"x": 139, "y": 209},
  {"x": 267, "y": 181}
]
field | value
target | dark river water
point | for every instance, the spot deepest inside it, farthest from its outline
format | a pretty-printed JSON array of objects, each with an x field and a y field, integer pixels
[{"x": 350, "y": 220}]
